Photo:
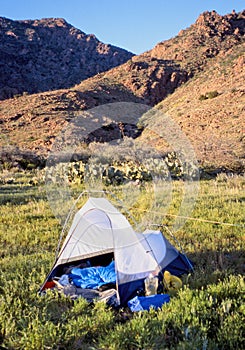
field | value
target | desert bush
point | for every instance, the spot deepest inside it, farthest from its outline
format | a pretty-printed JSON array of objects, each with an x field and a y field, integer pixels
[
  {"x": 209, "y": 95},
  {"x": 114, "y": 172},
  {"x": 212, "y": 94},
  {"x": 203, "y": 97}
]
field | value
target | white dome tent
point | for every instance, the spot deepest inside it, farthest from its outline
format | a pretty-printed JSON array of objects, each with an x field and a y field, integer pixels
[{"x": 100, "y": 233}]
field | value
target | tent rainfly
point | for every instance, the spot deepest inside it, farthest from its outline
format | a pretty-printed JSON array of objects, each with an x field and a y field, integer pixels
[{"x": 100, "y": 233}]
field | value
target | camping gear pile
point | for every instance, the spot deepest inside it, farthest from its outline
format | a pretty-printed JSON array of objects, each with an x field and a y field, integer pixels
[{"x": 103, "y": 258}]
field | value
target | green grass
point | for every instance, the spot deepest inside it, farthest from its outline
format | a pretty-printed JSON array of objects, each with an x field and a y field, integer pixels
[{"x": 207, "y": 313}]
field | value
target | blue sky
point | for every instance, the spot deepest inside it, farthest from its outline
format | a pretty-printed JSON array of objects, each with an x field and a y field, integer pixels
[{"x": 136, "y": 25}]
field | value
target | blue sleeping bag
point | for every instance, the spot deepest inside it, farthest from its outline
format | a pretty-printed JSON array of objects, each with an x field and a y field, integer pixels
[
  {"x": 93, "y": 277},
  {"x": 145, "y": 303}
]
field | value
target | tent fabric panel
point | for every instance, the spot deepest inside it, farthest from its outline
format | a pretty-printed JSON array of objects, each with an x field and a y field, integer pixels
[
  {"x": 91, "y": 241},
  {"x": 93, "y": 236},
  {"x": 179, "y": 266},
  {"x": 98, "y": 218},
  {"x": 95, "y": 208},
  {"x": 154, "y": 242},
  {"x": 129, "y": 290},
  {"x": 133, "y": 261},
  {"x": 90, "y": 254},
  {"x": 151, "y": 253},
  {"x": 91, "y": 233},
  {"x": 162, "y": 249},
  {"x": 117, "y": 218}
]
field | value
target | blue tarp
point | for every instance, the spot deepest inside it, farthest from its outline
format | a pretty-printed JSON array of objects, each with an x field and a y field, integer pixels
[
  {"x": 93, "y": 277},
  {"x": 145, "y": 303}
]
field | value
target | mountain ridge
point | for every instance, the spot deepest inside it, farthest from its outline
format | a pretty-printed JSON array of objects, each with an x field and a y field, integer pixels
[
  {"x": 201, "y": 88},
  {"x": 49, "y": 54}
]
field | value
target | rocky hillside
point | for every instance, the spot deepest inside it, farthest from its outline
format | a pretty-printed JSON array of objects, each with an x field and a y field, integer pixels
[
  {"x": 158, "y": 72},
  {"x": 49, "y": 54},
  {"x": 193, "y": 47},
  {"x": 210, "y": 110},
  {"x": 197, "y": 77}
]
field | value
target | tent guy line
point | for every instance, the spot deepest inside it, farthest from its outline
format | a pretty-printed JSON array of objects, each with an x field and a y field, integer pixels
[{"x": 190, "y": 218}]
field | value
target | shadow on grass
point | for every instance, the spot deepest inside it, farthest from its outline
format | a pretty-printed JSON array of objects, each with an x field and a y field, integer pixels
[
  {"x": 16, "y": 194},
  {"x": 211, "y": 266}
]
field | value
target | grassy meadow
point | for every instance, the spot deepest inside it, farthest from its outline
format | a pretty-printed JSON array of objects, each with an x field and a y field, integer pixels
[{"x": 208, "y": 312}]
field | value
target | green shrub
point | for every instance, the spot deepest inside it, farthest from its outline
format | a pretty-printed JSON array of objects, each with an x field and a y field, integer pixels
[
  {"x": 212, "y": 94},
  {"x": 203, "y": 97},
  {"x": 209, "y": 95},
  {"x": 113, "y": 172}
]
